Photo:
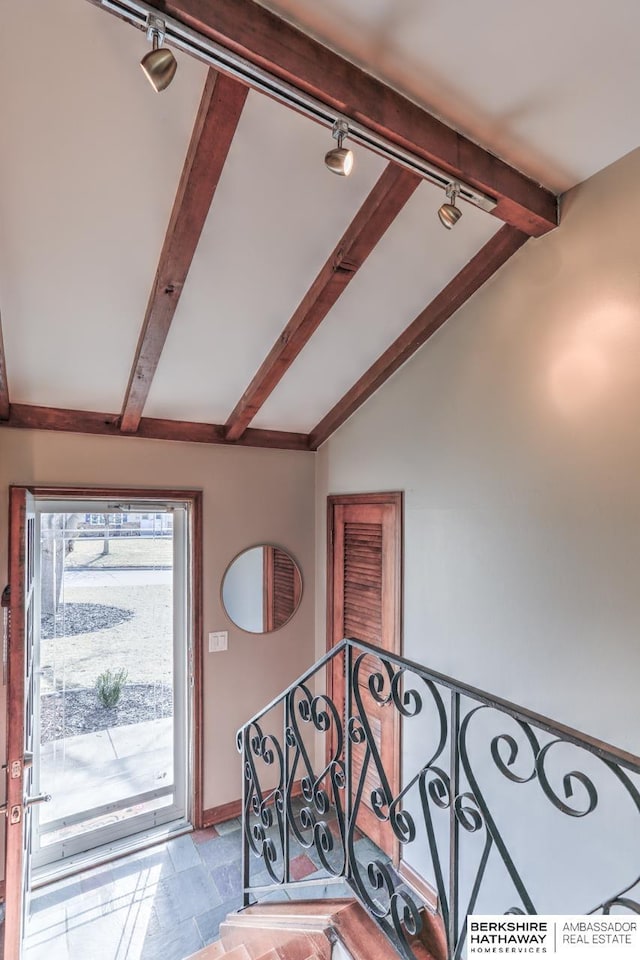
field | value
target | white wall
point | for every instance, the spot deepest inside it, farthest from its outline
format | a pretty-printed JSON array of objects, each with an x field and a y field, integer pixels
[{"x": 515, "y": 435}]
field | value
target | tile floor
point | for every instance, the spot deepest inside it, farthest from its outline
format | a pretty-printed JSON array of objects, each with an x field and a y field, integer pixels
[{"x": 163, "y": 903}]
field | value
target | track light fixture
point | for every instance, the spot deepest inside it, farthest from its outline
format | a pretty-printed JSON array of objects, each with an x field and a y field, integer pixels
[
  {"x": 196, "y": 44},
  {"x": 340, "y": 159},
  {"x": 159, "y": 65},
  {"x": 448, "y": 213}
]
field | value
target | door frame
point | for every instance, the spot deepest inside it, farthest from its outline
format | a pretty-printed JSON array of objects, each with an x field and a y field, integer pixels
[
  {"x": 19, "y": 579},
  {"x": 15, "y": 657},
  {"x": 396, "y": 500}
]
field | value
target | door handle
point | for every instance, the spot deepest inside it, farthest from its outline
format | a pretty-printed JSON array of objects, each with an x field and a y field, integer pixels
[{"x": 38, "y": 798}]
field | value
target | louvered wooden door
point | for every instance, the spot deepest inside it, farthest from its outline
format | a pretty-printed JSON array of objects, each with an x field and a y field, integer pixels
[{"x": 365, "y": 564}]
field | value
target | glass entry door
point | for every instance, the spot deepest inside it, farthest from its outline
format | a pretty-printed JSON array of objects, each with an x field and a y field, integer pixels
[{"x": 112, "y": 655}]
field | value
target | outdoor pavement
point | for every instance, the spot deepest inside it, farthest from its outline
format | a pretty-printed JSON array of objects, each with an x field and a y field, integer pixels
[
  {"x": 93, "y": 769},
  {"x": 124, "y": 576}
]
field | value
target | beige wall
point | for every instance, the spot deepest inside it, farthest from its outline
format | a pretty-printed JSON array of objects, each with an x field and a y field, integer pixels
[
  {"x": 515, "y": 434},
  {"x": 249, "y": 496}
]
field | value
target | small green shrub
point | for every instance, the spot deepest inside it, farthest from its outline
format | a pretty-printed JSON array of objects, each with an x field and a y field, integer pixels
[{"x": 109, "y": 686}]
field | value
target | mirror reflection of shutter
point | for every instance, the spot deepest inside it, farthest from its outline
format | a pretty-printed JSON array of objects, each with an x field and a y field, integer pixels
[{"x": 281, "y": 588}]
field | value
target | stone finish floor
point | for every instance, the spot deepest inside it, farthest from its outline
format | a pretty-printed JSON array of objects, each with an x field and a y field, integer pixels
[{"x": 163, "y": 903}]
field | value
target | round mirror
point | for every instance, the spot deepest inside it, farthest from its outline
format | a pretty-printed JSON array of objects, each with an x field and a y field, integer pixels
[{"x": 261, "y": 589}]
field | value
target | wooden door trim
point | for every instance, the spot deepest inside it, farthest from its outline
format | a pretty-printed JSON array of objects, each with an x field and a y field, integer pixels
[
  {"x": 197, "y": 536},
  {"x": 14, "y": 743},
  {"x": 194, "y": 499}
]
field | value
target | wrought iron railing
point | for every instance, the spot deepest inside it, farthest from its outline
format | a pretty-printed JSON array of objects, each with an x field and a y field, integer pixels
[{"x": 499, "y": 809}]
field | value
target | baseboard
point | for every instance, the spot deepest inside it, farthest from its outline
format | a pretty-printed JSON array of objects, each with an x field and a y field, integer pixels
[
  {"x": 227, "y": 811},
  {"x": 420, "y": 885}
]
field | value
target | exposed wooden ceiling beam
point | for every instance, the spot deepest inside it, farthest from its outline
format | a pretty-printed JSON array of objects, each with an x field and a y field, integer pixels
[
  {"x": 375, "y": 216},
  {"x": 270, "y": 43},
  {"x": 27, "y": 417},
  {"x": 216, "y": 122},
  {"x": 4, "y": 386},
  {"x": 482, "y": 266}
]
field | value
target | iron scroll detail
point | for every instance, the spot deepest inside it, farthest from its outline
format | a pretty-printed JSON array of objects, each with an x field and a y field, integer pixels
[{"x": 478, "y": 773}]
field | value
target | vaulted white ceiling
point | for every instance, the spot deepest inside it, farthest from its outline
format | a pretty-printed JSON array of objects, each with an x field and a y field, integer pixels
[
  {"x": 92, "y": 157},
  {"x": 549, "y": 86},
  {"x": 276, "y": 217},
  {"x": 88, "y": 172}
]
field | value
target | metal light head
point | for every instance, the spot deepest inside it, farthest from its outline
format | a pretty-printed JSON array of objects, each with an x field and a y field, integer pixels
[
  {"x": 448, "y": 213},
  {"x": 340, "y": 159},
  {"x": 159, "y": 65}
]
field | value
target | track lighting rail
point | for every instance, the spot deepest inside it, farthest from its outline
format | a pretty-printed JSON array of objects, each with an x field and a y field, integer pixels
[{"x": 183, "y": 38}]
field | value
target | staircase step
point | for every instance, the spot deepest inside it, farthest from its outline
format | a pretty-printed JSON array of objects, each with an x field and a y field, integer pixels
[
  {"x": 431, "y": 942},
  {"x": 306, "y": 929},
  {"x": 271, "y": 954},
  {"x": 360, "y": 935},
  {"x": 296, "y": 929},
  {"x": 217, "y": 951},
  {"x": 420, "y": 952},
  {"x": 290, "y": 943},
  {"x": 238, "y": 952},
  {"x": 310, "y": 913},
  {"x": 212, "y": 952},
  {"x": 301, "y": 928}
]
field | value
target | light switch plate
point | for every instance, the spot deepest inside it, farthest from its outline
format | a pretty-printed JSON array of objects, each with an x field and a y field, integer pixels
[{"x": 218, "y": 641}]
